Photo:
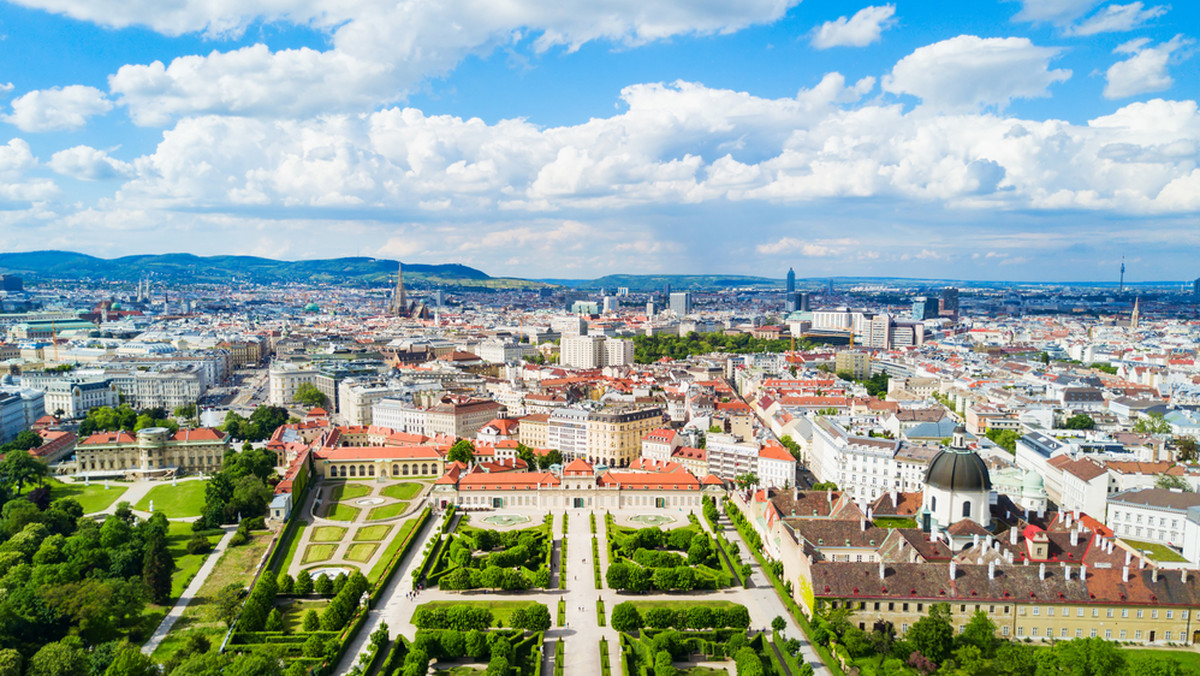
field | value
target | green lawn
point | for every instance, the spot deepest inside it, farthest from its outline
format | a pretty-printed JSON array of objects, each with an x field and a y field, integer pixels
[
  {"x": 94, "y": 498},
  {"x": 886, "y": 522},
  {"x": 387, "y": 511},
  {"x": 361, "y": 551},
  {"x": 292, "y": 544},
  {"x": 315, "y": 553},
  {"x": 186, "y": 499},
  {"x": 501, "y": 610},
  {"x": 1157, "y": 552},
  {"x": 394, "y": 545},
  {"x": 371, "y": 533},
  {"x": 236, "y": 566},
  {"x": 703, "y": 671},
  {"x": 342, "y": 512},
  {"x": 293, "y": 613},
  {"x": 186, "y": 565},
  {"x": 350, "y": 491},
  {"x": 401, "y": 491},
  {"x": 1190, "y": 660},
  {"x": 328, "y": 534}
]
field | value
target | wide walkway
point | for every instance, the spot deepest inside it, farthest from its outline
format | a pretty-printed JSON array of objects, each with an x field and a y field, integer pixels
[{"x": 190, "y": 593}]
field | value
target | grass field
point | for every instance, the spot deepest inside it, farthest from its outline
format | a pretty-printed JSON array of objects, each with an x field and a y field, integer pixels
[
  {"x": 393, "y": 546},
  {"x": 236, "y": 566},
  {"x": 292, "y": 543},
  {"x": 501, "y": 610},
  {"x": 350, "y": 492},
  {"x": 94, "y": 498},
  {"x": 387, "y": 511},
  {"x": 361, "y": 551},
  {"x": 315, "y": 553},
  {"x": 328, "y": 534},
  {"x": 703, "y": 671},
  {"x": 1157, "y": 552},
  {"x": 293, "y": 613},
  {"x": 401, "y": 491},
  {"x": 371, "y": 533},
  {"x": 186, "y": 499},
  {"x": 342, "y": 512},
  {"x": 186, "y": 565}
]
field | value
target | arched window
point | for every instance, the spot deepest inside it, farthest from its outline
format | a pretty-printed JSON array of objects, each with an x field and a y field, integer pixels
[
  {"x": 395, "y": 470},
  {"x": 424, "y": 469},
  {"x": 933, "y": 503},
  {"x": 405, "y": 470},
  {"x": 352, "y": 471},
  {"x": 967, "y": 508},
  {"x": 362, "y": 470},
  {"x": 371, "y": 470}
]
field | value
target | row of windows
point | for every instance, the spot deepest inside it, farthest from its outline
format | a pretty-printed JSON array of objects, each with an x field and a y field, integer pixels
[
  {"x": 1063, "y": 632},
  {"x": 891, "y": 606}
]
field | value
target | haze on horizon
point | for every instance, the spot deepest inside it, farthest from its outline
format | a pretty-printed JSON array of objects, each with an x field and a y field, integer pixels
[{"x": 1036, "y": 140}]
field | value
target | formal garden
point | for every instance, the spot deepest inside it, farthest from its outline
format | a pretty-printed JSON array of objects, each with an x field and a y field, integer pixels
[
  {"x": 652, "y": 559},
  {"x": 672, "y": 652},
  {"x": 462, "y": 638},
  {"x": 470, "y": 557},
  {"x": 364, "y": 520}
]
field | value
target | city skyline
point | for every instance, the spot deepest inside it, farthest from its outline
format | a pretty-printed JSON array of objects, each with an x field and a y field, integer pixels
[{"x": 1007, "y": 141}]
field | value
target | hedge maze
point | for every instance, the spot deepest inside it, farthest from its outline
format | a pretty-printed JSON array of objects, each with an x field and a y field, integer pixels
[
  {"x": 478, "y": 558},
  {"x": 648, "y": 559}
]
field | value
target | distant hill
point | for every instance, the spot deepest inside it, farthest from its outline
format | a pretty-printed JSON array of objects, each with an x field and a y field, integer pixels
[
  {"x": 644, "y": 283},
  {"x": 359, "y": 270}
]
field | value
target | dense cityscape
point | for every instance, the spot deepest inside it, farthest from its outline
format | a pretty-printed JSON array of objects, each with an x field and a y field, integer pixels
[{"x": 795, "y": 475}]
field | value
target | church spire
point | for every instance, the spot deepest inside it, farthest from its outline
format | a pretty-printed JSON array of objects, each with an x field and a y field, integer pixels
[{"x": 399, "y": 305}]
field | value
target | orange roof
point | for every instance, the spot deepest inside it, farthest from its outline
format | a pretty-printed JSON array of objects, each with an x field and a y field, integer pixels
[
  {"x": 676, "y": 481},
  {"x": 505, "y": 425},
  {"x": 507, "y": 481},
  {"x": 318, "y": 413},
  {"x": 200, "y": 434},
  {"x": 578, "y": 467},
  {"x": 108, "y": 438},
  {"x": 775, "y": 452},
  {"x": 713, "y": 480},
  {"x": 344, "y": 453}
]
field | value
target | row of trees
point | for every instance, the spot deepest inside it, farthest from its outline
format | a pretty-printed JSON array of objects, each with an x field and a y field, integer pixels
[
  {"x": 125, "y": 418},
  {"x": 261, "y": 424},
  {"x": 626, "y": 617},
  {"x": 648, "y": 349}
]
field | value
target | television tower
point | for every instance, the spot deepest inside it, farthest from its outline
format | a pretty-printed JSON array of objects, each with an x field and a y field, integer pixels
[{"x": 1121, "y": 288}]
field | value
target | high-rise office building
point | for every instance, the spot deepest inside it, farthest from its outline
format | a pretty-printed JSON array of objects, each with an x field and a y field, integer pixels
[
  {"x": 610, "y": 304},
  {"x": 950, "y": 300},
  {"x": 924, "y": 308},
  {"x": 791, "y": 281},
  {"x": 804, "y": 302},
  {"x": 791, "y": 302},
  {"x": 681, "y": 303}
]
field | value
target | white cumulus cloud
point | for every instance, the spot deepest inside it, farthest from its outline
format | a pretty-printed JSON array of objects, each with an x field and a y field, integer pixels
[
  {"x": 860, "y": 30},
  {"x": 968, "y": 72},
  {"x": 1058, "y": 12},
  {"x": 1117, "y": 19},
  {"x": 1143, "y": 72},
  {"x": 58, "y": 108},
  {"x": 379, "y": 50},
  {"x": 88, "y": 164}
]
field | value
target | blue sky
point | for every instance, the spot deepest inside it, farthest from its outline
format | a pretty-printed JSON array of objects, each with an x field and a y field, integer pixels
[{"x": 1037, "y": 140}]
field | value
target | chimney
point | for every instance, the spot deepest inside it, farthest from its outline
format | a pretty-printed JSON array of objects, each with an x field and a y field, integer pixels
[
  {"x": 1026, "y": 561},
  {"x": 829, "y": 495},
  {"x": 896, "y": 500},
  {"x": 1067, "y": 520},
  {"x": 1124, "y": 573},
  {"x": 1012, "y": 535},
  {"x": 1154, "y": 574},
  {"x": 1128, "y": 555},
  {"x": 1074, "y": 538},
  {"x": 1041, "y": 511},
  {"x": 1183, "y": 572},
  {"x": 975, "y": 540},
  {"x": 1067, "y": 573},
  {"x": 992, "y": 570},
  {"x": 882, "y": 574},
  {"x": 1141, "y": 562},
  {"x": 1042, "y": 571},
  {"x": 1083, "y": 572},
  {"x": 862, "y": 525},
  {"x": 953, "y": 570},
  {"x": 795, "y": 494}
]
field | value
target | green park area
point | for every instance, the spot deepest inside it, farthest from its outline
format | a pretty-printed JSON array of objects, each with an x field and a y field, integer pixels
[
  {"x": 481, "y": 558},
  {"x": 341, "y": 512},
  {"x": 175, "y": 501},
  {"x": 387, "y": 511},
  {"x": 361, "y": 551},
  {"x": 328, "y": 534},
  {"x": 348, "y": 491},
  {"x": 179, "y": 533},
  {"x": 371, "y": 533},
  {"x": 93, "y": 498},
  {"x": 501, "y": 610},
  {"x": 315, "y": 553},
  {"x": 401, "y": 491}
]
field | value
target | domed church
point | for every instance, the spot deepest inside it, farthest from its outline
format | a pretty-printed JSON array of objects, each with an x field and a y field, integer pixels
[{"x": 957, "y": 487}]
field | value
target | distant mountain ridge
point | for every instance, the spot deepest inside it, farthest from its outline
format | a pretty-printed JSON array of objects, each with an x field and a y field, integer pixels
[{"x": 73, "y": 265}]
